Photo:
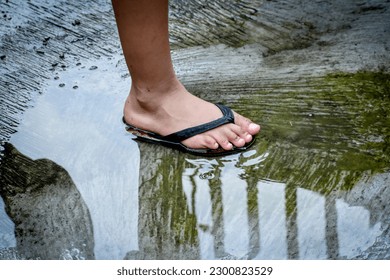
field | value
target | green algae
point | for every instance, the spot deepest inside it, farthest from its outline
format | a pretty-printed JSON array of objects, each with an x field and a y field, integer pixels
[
  {"x": 325, "y": 133},
  {"x": 169, "y": 228},
  {"x": 321, "y": 134}
]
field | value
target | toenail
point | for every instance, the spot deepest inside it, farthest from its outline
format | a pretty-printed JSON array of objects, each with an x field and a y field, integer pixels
[{"x": 254, "y": 126}]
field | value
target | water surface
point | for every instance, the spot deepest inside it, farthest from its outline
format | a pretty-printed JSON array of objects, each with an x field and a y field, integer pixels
[
  {"x": 315, "y": 185},
  {"x": 304, "y": 191}
]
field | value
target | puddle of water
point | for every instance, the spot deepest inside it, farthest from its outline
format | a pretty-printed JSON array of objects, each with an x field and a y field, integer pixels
[
  {"x": 230, "y": 214},
  {"x": 285, "y": 198},
  {"x": 7, "y": 238},
  {"x": 80, "y": 129}
]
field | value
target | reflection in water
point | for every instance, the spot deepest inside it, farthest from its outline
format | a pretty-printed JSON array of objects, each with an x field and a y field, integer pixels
[
  {"x": 312, "y": 229},
  {"x": 273, "y": 231},
  {"x": 228, "y": 210},
  {"x": 299, "y": 193},
  {"x": 315, "y": 186},
  {"x": 166, "y": 227},
  {"x": 226, "y": 214},
  {"x": 279, "y": 200},
  {"x": 351, "y": 241},
  {"x": 7, "y": 238},
  {"x": 332, "y": 238},
  {"x": 51, "y": 219},
  {"x": 192, "y": 208},
  {"x": 79, "y": 130}
]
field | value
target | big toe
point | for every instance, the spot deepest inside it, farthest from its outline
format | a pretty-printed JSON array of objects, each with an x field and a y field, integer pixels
[{"x": 253, "y": 128}]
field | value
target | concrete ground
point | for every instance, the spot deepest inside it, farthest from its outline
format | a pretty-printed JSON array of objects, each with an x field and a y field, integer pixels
[{"x": 315, "y": 74}]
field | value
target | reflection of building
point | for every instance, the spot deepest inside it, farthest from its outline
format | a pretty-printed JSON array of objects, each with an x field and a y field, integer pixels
[
  {"x": 214, "y": 209},
  {"x": 282, "y": 222},
  {"x": 186, "y": 211}
]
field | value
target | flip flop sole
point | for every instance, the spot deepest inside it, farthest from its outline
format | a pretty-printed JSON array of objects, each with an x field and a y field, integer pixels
[
  {"x": 174, "y": 140},
  {"x": 144, "y": 136}
]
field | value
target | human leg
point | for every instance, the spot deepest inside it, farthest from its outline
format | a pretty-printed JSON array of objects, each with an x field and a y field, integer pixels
[{"x": 157, "y": 101}]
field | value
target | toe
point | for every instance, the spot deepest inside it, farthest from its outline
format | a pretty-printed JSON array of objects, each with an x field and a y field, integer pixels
[
  {"x": 246, "y": 124},
  {"x": 235, "y": 137},
  {"x": 201, "y": 142},
  {"x": 229, "y": 136},
  {"x": 242, "y": 134},
  {"x": 238, "y": 142},
  {"x": 210, "y": 142},
  {"x": 223, "y": 141},
  {"x": 253, "y": 128}
]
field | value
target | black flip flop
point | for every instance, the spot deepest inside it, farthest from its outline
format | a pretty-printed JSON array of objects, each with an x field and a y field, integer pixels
[{"x": 174, "y": 140}]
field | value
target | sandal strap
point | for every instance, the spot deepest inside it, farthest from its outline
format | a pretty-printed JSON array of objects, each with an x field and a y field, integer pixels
[{"x": 184, "y": 134}]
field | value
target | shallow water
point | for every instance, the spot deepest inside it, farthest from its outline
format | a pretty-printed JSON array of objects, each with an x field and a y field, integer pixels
[
  {"x": 314, "y": 186},
  {"x": 293, "y": 195},
  {"x": 63, "y": 126},
  {"x": 301, "y": 193}
]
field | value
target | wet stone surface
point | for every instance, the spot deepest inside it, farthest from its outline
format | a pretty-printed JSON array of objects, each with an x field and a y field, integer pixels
[{"x": 314, "y": 74}]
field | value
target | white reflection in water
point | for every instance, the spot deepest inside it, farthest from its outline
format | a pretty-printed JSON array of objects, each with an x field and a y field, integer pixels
[
  {"x": 272, "y": 220},
  {"x": 311, "y": 225},
  {"x": 81, "y": 130},
  {"x": 353, "y": 229},
  {"x": 235, "y": 209},
  {"x": 204, "y": 217},
  {"x": 7, "y": 238}
]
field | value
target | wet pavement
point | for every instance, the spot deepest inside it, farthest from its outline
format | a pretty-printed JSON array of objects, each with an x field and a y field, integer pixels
[{"x": 314, "y": 74}]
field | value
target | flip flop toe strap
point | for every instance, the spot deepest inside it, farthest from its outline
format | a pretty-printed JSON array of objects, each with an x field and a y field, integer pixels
[{"x": 184, "y": 134}]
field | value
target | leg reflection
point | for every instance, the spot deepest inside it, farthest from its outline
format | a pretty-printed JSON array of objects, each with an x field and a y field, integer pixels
[{"x": 166, "y": 227}]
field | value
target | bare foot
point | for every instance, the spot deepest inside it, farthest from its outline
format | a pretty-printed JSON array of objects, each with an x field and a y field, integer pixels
[{"x": 172, "y": 108}]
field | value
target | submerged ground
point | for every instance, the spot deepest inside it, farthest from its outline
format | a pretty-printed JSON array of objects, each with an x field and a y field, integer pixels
[{"x": 314, "y": 74}]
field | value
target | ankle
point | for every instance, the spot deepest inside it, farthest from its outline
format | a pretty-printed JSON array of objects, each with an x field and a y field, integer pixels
[
  {"x": 150, "y": 85},
  {"x": 152, "y": 95}
]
